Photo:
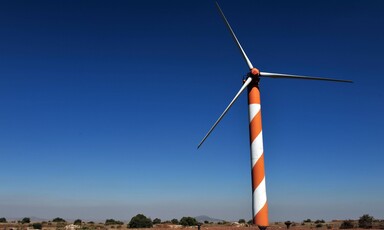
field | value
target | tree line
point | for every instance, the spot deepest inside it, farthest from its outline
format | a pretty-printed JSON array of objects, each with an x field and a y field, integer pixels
[
  {"x": 138, "y": 221},
  {"x": 141, "y": 221}
]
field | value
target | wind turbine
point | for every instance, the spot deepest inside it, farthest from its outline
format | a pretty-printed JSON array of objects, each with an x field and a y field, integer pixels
[{"x": 259, "y": 196}]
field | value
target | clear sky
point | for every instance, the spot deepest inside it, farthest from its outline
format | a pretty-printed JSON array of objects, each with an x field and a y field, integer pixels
[{"x": 103, "y": 103}]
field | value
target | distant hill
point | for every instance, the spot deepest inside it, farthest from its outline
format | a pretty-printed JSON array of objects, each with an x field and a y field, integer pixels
[{"x": 207, "y": 218}]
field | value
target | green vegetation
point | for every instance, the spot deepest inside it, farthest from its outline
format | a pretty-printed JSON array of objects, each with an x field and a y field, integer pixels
[
  {"x": 175, "y": 221},
  {"x": 113, "y": 222},
  {"x": 347, "y": 224},
  {"x": 77, "y": 222},
  {"x": 156, "y": 221},
  {"x": 365, "y": 221},
  {"x": 37, "y": 226},
  {"x": 188, "y": 221},
  {"x": 25, "y": 220},
  {"x": 3, "y": 220},
  {"x": 140, "y": 221},
  {"x": 307, "y": 221},
  {"x": 241, "y": 221},
  {"x": 59, "y": 220}
]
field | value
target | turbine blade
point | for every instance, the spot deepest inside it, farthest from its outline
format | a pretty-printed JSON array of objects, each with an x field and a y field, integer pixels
[
  {"x": 279, "y": 75},
  {"x": 246, "y": 83},
  {"x": 235, "y": 38}
]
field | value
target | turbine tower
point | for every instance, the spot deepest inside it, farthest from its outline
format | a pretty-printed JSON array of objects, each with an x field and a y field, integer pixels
[{"x": 259, "y": 195}]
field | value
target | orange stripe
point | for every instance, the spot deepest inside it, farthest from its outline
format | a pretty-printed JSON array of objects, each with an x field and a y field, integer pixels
[
  {"x": 261, "y": 218},
  {"x": 258, "y": 172},
  {"x": 254, "y": 95},
  {"x": 255, "y": 126}
]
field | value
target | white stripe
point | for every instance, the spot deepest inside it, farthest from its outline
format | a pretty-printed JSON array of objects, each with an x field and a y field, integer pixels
[
  {"x": 257, "y": 148},
  {"x": 259, "y": 197},
  {"x": 253, "y": 110}
]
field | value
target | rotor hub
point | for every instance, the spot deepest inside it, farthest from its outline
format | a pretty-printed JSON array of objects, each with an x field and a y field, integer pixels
[{"x": 255, "y": 72}]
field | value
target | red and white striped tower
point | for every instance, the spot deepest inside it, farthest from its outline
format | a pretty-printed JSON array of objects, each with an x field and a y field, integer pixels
[{"x": 259, "y": 195}]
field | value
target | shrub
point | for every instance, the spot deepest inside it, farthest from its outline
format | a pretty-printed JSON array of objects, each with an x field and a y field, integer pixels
[
  {"x": 365, "y": 221},
  {"x": 77, "y": 222},
  {"x": 188, "y": 221},
  {"x": 241, "y": 221},
  {"x": 26, "y": 220},
  {"x": 319, "y": 225},
  {"x": 175, "y": 221},
  {"x": 307, "y": 221},
  {"x": 347, "y": 224},
  {"x": 113, "y": 222},
  {"x": 156, "y": 221},
  {"x": 3, "y": 220},
  {"x": 58, "y": 220},
  {"x": 140, "y": 221},
  {"x": 37, "y": 226}
]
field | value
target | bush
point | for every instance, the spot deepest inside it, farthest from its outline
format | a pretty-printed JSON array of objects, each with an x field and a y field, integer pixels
[
  {"x": 77, "y": 222},
  {"x": 188, "y": 221},
  {"x": 156, "y": 221},
  {"x": 3, "y": 220},
  {"x": 319, "y": 221},
  {"x": 58, "y": 220},
  {"x": 241, "y": 221},
  {"x": 319, "y": 225},
  {"x": 140, "y": 221},
  {"x": 26, "y": 220},
  {"x": 113, "y": 222},
  {"x": 37, "y": 226},
  {"x": 347, "y": 224},
  {"x": 175, "y": 221},
  {"x": 307, "y": 221},
  {"x": 365, "y": 221}
]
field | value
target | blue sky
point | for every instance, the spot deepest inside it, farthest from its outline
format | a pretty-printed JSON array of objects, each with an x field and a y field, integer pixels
[{"x": 103, "y": 105}]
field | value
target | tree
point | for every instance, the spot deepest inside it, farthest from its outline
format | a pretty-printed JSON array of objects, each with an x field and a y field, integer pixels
[
  {"x": 140, "y": 221},
  {"x": 113, "y": 222},
  {"x": 37, "y": 226},
  {"x": 58, "y": 220},
  {"x": 3, "y": 220},
  {"x": 77, "y": 222},
  {"x": 346, "y": 224},
  {"x": 241, "y": 221},
  {"x": 288, "y": 223},
  {"x": 156, "y": 221},
  {"x": 365, "y": 221},
  {"x": 26, "y": 220},
  {"x": 188, "y": 221},
  {"x": 175, "y": 221}
]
